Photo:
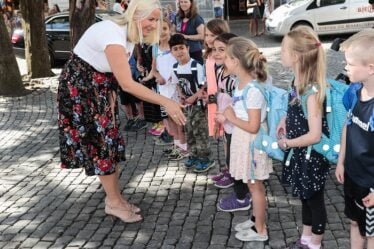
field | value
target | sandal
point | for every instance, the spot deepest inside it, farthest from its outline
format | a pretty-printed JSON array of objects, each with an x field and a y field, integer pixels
[
  {"x": 131, "y": 206},
  {"x": 122, "y": 213}
]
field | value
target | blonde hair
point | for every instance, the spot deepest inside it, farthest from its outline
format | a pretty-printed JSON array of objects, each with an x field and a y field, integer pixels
[
  {"x": 311, "y": 64},
  {"x": 250, "y": 58},
  {"x": 363, "y": 45},
  {"x": 137, "y": 11}
]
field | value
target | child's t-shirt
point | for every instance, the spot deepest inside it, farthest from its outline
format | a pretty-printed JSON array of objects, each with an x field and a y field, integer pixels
[
  {"x": 254, "y": 100},
  {"x": 164, "y": 63},
  {"x": 359, "y": 155},
  {"x": 185, "y": 82}
]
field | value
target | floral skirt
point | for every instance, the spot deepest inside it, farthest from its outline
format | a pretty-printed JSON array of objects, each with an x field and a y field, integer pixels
[
  {"x": 241, "y": 159},
  {"x": 88, "y": 119}
]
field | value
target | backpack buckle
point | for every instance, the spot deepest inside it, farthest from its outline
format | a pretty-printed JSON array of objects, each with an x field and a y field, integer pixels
[{"x": 212, "y": 99}]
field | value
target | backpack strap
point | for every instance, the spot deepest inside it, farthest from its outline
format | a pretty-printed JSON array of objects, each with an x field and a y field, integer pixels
[
  {"x": 175, "y": 69},
  {"x": 194, "y": 76}
]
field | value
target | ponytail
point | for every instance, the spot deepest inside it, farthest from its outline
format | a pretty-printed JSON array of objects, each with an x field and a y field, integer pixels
[{"x": 251, "y": 59}]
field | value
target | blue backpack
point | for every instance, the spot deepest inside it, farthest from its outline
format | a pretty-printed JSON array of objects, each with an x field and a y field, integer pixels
[
  {"x": 336, "y": 114},
  {"x": 276, "y": 108}
]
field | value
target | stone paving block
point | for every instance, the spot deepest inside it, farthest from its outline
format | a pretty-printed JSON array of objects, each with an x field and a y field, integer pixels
[{"x": 30, "y": 242}]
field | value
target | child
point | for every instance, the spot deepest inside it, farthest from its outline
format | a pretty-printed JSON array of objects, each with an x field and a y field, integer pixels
[
  {"x": 355, "y": 168},
  {"x": 163, "y": 74},
  {"x": 303, "y": 53},
  {"x": 245, "y": 61},
  {"x": 239, "y": 200},
  {"x": 191, "y": 89}
]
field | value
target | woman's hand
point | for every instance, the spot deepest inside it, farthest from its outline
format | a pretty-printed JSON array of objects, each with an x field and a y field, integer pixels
[
  {"x": 160, "y": 81},
  {"x": 220, "y": 118},
  {"x": 174, "y": 111},
  {"x": 281, "y": 128},
  {"x": 229, "y": 114}
]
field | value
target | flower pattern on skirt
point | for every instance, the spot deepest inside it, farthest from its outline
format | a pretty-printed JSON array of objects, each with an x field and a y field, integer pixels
[{"x": 88, "y": 119}]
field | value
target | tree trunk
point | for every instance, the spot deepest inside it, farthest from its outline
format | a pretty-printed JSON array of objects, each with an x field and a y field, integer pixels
[
  {"x": 81, "y": 16},
  {"x": 37, "y": 55},
  {"x": 10, "y": 77}
]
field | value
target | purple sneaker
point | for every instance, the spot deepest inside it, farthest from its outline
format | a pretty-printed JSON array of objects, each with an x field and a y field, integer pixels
[
  {"x": 225, "y": 182},
  {"x": 221, "y": 174},
  {"x": 231, "y": 204}
]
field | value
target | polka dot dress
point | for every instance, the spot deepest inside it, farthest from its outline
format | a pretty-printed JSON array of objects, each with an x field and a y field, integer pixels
[{"x": 306, "y": 176}]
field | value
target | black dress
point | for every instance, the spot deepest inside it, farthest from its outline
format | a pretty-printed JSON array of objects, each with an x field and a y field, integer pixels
[{"x": 306, "y": 176}]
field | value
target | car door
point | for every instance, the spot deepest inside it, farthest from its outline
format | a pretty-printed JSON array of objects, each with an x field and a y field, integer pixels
[
  {"x": 331, "y": 16},
  {"x": 361, "y": 15},
  {"x": 58, "y": 33}
]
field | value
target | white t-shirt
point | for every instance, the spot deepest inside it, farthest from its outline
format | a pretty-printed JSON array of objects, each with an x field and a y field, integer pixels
[
  {"x": 255, "y": 100},
  {"x": 164, "y": 64},
  {"x": 117, "y": 8},
  {"x": 91, "y": 46},
  {"x": 186, "y": 69}
]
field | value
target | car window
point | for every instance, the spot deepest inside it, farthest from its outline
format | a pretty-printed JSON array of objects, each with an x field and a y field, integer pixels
[
  {"x": 331, "y": 2},
  {"x": 61, "y": 22}
]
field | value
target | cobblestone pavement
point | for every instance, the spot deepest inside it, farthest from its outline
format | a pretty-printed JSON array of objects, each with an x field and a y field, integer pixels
[{"x": 42, "y": 206}]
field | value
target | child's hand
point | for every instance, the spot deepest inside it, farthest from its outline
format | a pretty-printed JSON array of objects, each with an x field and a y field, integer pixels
[
  {"x": 220, "y": 118},
  {"x": 369, "y": 200},
  {"x": 282, "y": 143},
  {"x": 281, "y": 129},
  {"x": 229, "y": 114},
  {"x": 190, "y": 100},
  {"x": 339, "y": 173}
]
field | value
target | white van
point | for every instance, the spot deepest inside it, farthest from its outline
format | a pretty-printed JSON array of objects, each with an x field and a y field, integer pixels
[{"x": 324, "y": 16}]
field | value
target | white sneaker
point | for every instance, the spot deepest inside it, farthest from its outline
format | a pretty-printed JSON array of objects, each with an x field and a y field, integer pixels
[
  {"x": 250, "y": 235},
  {"x": 244, "y": 226}
]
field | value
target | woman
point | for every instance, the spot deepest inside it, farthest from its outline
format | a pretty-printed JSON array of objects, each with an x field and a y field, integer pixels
[
  {"x": 191, "y": 25},
  {"x": 88, "y": 112}
]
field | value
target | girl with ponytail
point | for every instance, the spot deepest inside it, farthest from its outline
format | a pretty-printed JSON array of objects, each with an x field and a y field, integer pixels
[
  {"x": 247, "y": 114},
  {"x": 305, "y": 171}
]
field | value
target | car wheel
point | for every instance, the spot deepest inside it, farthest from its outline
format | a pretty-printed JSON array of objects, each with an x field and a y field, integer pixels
[{"x": 301, "y": 24}]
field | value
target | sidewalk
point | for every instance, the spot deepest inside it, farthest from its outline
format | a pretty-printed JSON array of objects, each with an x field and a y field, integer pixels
[{"x": 42, "y": 206}]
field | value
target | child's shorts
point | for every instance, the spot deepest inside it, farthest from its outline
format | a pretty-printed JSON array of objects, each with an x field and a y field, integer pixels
[{"x": 355, "y": 209}]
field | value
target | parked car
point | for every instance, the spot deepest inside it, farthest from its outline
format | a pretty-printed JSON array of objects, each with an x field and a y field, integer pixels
[
  {"x": 58, "y": 35},
  {"x": 324, "y": 16}
]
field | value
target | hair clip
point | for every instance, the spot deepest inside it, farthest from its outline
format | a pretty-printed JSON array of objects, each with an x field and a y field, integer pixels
[{"x": 318, "y": 44}]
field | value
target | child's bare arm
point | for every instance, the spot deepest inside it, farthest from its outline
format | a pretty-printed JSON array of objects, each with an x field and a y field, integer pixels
[{"x": 339, "y": 172}]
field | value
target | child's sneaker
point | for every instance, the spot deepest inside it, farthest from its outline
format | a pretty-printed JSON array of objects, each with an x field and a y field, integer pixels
[
  {"x": 153, "y": 128},
  {"x": 225, "y": 182},
  {"x": 178, "y": 155},
  {"x": 244, "y": 225},
  {"x": 129, "y": 124},
  {"x": 191, "y": 162},
  {"x": 232, "y": 204},
  {"x": 169, "y": 150},
  {"x": 250, "y": 235},
  {"x": 139, "y": 124},
  {"x": 159, "y": 129},
  {"x": 220, "y": 175},
  {"x": 161, "y": 142},
  {"x": 204, "y": 165}
]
